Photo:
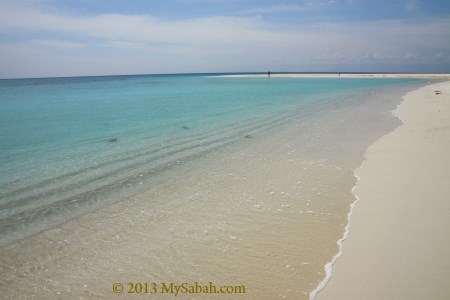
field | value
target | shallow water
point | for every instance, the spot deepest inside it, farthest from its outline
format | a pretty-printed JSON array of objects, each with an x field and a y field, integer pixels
[{"x": 238, "y": 181}]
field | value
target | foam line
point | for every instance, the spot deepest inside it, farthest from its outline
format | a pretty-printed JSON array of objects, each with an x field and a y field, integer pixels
[{"x": 329, "y": 265}]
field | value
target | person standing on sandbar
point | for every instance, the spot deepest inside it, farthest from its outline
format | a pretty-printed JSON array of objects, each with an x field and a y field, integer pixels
[{"x": 268, "y": 74}]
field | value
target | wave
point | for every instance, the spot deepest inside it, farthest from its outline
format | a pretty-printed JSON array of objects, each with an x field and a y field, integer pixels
[{"x": 340, "y": 242}]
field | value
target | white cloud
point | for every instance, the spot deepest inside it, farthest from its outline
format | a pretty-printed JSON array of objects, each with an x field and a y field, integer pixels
[
  {"x": 309, "y": 5},
  {"x": 59, "y": 44},
  {"x": 139, "y": 28},
  {"x": 118, "y": 43},
  {"x": 412, "y": 5},
  {"x": 443, "y": 57},
  {"x": 276, "y": 8}
]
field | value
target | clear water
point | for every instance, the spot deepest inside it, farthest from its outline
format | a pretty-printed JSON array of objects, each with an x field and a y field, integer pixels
[
  {"x": 180, "y": 178},
  {"x": 69, "y": 144}
]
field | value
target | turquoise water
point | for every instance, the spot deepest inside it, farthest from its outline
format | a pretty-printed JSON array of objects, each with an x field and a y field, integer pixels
[{"x": 71, "y": 143}]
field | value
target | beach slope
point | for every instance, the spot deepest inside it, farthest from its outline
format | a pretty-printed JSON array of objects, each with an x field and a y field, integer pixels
[{"x": 399, "y": 241}]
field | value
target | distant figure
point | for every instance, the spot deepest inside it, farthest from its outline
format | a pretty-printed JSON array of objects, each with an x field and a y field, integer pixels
[{"x": 268, "y": 74}]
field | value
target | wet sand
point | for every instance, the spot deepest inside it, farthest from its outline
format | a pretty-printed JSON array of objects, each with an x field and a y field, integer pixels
[
  {"x": 399, "y": 241},
  {"x": 264, "y": 213}
]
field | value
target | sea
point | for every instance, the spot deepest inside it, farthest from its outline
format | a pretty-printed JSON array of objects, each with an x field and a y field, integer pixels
[{"x": 239, "y": 181}]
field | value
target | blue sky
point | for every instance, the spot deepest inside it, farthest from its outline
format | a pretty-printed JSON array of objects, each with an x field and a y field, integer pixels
[{"x": 40, "y": 38}]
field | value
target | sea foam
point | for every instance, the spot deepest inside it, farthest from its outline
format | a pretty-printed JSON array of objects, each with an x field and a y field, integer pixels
[{"x": 340, "y": 242}]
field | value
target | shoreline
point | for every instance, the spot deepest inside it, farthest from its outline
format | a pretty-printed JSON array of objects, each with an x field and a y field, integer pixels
[
  {"x": 341, "y": 75},
  {"x": 382, "y": 258},
  {"x": 268, "y": 208},
  {"x": 329, "y": 265}
]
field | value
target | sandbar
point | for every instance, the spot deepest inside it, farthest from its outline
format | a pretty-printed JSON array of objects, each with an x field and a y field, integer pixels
[{"x": 344, "y": 75}]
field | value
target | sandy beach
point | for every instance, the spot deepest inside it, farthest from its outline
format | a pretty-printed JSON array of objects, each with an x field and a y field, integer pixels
[
  {"x": 353, "y": 75},
  {"x": 399, "y": 236}
]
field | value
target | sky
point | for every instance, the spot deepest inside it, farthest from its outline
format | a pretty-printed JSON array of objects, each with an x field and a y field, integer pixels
[{"x": 51, "y": 38}]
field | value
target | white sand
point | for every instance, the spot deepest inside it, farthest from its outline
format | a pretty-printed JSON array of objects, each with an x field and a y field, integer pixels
[
  {"x": 399, "y": 241},
  {"x": 334, "y": 75}
]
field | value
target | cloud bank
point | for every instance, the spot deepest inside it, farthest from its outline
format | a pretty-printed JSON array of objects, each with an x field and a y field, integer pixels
[{"x": 37, "y": 41}]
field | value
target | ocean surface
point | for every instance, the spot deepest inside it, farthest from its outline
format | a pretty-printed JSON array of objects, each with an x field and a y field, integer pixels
[{"x": 98, "y": 152}]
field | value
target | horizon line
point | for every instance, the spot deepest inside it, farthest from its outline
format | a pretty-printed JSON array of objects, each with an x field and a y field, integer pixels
[{"x": 220, "y": 73}]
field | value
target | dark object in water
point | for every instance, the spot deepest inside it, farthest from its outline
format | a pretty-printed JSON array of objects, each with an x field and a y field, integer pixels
[
  {"x": 437, "y": 92},
  {"x": 113, "y": 140},
  {"x": 185, "y": 127},
  {"x": 248, "y": 136}
]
